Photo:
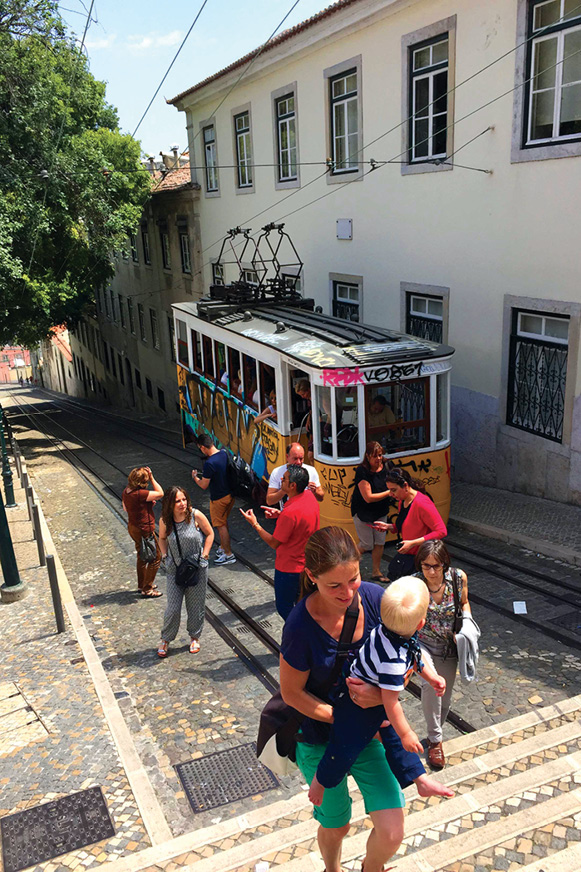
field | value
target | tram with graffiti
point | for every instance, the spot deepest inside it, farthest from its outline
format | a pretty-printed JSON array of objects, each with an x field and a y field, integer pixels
[{"x": 259, "y": 367}]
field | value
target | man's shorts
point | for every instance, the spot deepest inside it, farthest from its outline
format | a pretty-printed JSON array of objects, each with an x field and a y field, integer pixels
[
  {"x": 377, "y": 783},
  {"x": 368, "y": 537},
  {"x": 220, "y": 509}
]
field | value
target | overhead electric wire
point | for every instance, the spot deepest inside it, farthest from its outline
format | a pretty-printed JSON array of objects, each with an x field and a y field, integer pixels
[{"x": 175, "y": 57}]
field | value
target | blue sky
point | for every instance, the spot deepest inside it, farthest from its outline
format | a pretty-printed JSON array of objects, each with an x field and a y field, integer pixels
[{"x": 131, "y": 45}]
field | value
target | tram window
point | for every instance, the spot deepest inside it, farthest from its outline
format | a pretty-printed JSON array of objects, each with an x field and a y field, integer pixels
[
  {"x": 251, "y": 392},
  {"x": 300, "y": 390},
  {"x": 398, "y": 415},
  {"x": 235, "y": 372},
  {"x": 347, "y": 422},
  {"x": 268, "y": 399},
  {"x": 325, "y": 420},
  {"x": 197, "y": 351},
  {"x": 221, "y": 367},
  {"x": 208, "y": 357},
  {"x": 183, "y": 354},
  {"x": 442, "y": 400}
]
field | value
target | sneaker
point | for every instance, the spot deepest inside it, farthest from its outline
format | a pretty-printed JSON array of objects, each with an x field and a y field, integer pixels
[
  {"x": 219, "y": 551},
  {"x": 224, "y": 558}
]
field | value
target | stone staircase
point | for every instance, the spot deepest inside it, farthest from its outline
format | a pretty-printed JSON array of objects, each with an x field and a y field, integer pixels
[{"x": 517, "y": 807}]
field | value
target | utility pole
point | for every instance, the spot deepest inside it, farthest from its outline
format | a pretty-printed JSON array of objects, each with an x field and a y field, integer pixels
[
  {"x": 6, "y": 471},
  {"x": 13, "y": 588}
]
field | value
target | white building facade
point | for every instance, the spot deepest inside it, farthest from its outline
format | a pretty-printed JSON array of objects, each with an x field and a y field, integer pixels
[{"x": 425, "y": 156}]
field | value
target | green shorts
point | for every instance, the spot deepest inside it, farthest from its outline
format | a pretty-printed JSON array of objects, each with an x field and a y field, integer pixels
[{"x": 377, "y": 783}]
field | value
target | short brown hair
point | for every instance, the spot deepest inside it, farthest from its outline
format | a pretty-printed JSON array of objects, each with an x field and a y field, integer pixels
[
  {"x": 433, "y": 548},
  {"x": 325, "y": 550},
  {"x": 372, "y": 449},
  {"x": 138, "y": 477},
  {"x": 168, "y": 504}
]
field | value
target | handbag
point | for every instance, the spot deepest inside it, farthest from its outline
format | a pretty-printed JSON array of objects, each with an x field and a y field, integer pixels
[
  {"x": 400, "y": 565},
  {"x": 189, "y": 570},
  {"x": 148, "y": 549},
  {"x": 458, "y": 616},
  {"x": 279, "y": 723}
]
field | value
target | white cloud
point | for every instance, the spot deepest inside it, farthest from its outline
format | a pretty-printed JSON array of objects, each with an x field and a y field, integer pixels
[
  {"x": 139, "y": 42},
  {"x": 103, "y": 43}
]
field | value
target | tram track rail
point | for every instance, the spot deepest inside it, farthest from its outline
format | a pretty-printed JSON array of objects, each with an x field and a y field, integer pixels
[{"x": 268, "y": 641}]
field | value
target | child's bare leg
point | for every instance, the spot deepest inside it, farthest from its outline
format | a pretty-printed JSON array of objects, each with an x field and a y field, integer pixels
[
  {"x": 316, "y": 791},
  {"x": 428, "y": 786}
]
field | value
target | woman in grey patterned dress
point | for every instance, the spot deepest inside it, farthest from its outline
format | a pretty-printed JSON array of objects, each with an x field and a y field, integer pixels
[{"x": 195, "y": 539}]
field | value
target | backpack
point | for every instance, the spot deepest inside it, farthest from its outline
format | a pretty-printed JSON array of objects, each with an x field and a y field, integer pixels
[{"x": 240, "y": 478}]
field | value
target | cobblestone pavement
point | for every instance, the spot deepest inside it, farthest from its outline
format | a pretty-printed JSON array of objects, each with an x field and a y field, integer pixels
[
  {"x": 185, "y": 707},
  {"x": 54, "y": 738}
]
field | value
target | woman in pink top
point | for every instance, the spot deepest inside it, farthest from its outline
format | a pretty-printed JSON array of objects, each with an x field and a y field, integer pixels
[{"x": 418, "y": 520}]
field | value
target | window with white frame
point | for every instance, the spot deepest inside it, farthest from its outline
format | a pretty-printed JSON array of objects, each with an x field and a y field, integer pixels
[
  {"x": 537, "y": 373},
  {"x": 141, "y": 319},
  {"x": 154, "y": 328},
  {"x": 183, "y": 350},
  {"x": 210, "y": 158},
  {"x": 346, "y": 301},
  {"x": 286, "y": 138},
  {"x": 429, "y": 99},
  {"x": 344, "y": 122},
  {"x": 165, "y": 249},
  {"x": 145, "y": 244},
  {"x": 185, "y": 251},
  {"x": 218, "y": 274},
  {"x": 553, "y": 107},
  {"x": 249, "y": 276},
  {"x": 243, "y": 149},
  {"x": 294, "y": 282},
  {"x": 425, "y": 317}
]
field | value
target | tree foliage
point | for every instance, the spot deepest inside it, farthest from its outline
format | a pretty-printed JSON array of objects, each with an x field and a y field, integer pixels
[{"x": 71, "y": 185}]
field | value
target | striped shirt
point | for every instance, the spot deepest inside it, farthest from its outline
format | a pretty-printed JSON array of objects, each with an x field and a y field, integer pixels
[{"x": 386, "y": 659}]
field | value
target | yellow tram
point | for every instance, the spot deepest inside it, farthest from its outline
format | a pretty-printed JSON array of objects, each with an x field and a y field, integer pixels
[{"x": 259, "y": 371}]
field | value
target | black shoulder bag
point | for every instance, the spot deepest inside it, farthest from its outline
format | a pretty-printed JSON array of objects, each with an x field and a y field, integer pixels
[
  {"x": 190, "y": 568},
  {"x": 279, "y": 723},
  {"x": 456, "y": 587}
]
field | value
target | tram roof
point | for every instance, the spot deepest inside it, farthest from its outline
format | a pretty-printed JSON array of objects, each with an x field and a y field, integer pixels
[{"x": 347, "y": 343}]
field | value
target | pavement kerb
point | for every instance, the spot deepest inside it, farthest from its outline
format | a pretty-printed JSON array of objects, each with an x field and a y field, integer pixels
[
  {"x": 149, "y": 807},
  {"x": 534, "y": 544},
  {"x": 567, "y": 860}
]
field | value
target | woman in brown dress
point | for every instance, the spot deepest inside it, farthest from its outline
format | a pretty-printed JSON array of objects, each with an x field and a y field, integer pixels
[{"x": 138, "y": 501}]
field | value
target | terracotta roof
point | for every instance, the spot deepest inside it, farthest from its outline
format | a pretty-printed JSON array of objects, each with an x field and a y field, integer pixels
[
  {"x": 180, "y": 177},
  {"x": 277, "y": 40},
  {"x": 60, "y": 343}
]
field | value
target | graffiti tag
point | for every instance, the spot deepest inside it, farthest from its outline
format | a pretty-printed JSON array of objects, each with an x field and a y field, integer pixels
[
  {"x": 355, "y": 376},
  {"x": 335, "y": 484},
  {"x": 269, "y": 444}
]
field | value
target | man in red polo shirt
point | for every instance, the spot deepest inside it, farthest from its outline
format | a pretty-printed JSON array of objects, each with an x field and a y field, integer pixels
[{"x": 296, "y": 522}]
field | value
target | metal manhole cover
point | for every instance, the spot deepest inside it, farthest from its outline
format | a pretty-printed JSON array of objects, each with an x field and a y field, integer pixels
[
  {"x": 46, "y": 831},
  {"x": 224, "y": 777},
  {"x": 570, "y": 621}
]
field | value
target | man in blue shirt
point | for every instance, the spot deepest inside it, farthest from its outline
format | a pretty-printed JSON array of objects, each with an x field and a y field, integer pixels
[{"x": 214, "y": 476}]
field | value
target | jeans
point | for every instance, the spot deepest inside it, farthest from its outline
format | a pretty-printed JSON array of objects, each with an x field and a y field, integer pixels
[
  {"x": 286, "y": 591},
  {"x": 146, "y": 572}
]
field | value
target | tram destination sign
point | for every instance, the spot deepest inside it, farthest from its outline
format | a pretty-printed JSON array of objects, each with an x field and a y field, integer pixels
[{"x": 46, "y": 831}]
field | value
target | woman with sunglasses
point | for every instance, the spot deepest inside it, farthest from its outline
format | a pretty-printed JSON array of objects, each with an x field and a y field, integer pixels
[
  {"x": 418, "y": 520},
  {"x": 437, "y": 639}
]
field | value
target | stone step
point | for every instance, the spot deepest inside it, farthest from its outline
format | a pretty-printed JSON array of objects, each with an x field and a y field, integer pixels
[{"x": 567, "y": 860}]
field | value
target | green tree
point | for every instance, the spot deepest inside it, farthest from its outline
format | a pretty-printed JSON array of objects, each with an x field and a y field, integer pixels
[{"x": 71, "y": 185}]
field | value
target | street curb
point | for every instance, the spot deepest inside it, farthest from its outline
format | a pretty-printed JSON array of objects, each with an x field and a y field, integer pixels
[
  {"x": 151, "y": 812},
  {"x": 538, "y": 546}
]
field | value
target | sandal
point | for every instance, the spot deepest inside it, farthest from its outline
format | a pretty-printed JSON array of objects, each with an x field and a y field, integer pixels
[
  {"x": 194, "y": 646},
  {"x": 162, "y": 649},
  {"x": 381, "y": 578},
  {"x": 151, "y": 594}
]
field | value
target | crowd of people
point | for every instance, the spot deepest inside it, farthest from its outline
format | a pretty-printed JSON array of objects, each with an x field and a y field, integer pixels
[{"x": 417, "y": 618}]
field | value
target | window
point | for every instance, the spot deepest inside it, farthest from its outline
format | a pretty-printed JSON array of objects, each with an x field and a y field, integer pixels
[
  {"x": 344, "y": 122},
  {"x": 210, "y": 158},
  {"x": 537, "y": 373},
  {"x": 218, "y": 274},
  {"x": 133, "y": 244},
  {"x": 113, "y": 369},
  {"x": 145, "y": 244},
  {"x": 249, "y": 276},
  {"x": 442, "y": 407},
  {"x": 429, "y": 100},
  {"x": 243, "y": 149},
  {"x": 107, "y": 299},
  {"x": 165, "y": 250},
  {"x": 185, "y": 251},
  {"x": 267, "y": 396},
  {"x": 197, "y": 351},
  {"x": 221, "y": 366},
  {"x": 172, "y": 337},
  {"x": 121, "y": 311},
  {"x": 286, "y": 138},
  {"x": 208, "y": 357},
  {"x": 121, "y": 376},
  {"x": 154, "y": 330},
  {"x": 251, "y": 392},
  {"x": 293, "y": 282},
  {"x": 131, "y": 315},
  {"x": 138, "y": 379},
  {"x": 183, "y": 352},
  {"x": 149, "y": 388},
  {"x": 235, "y": 373},
  {"x": 106, "y": 355},
  {"x": 553, "y": 105},
  {"x": 113, "y": 312},
  {"x": 424, "y": 317},
  {"x": 398, "y": 415},
  {"x": 346, "y": 301},
  {"x": 141, "y": 317},
  {"x": 161, "y": 399}
]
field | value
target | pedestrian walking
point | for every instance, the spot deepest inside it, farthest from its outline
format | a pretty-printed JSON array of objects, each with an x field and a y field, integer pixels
[
  {"x": 138, "y": 500},
  {"x": 215, "y": 477},
  {"x": 370, "y": 504},
  {"x": 295, "y": 456},
  {"x": 437, "y": 637},
  {"x": 296, "y": 522},
  {"x": 183, "y": 532},
  {"x": 418, "y": 520}
]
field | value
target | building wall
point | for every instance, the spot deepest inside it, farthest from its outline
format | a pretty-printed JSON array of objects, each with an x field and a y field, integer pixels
[{"x": 496, "y": 240}]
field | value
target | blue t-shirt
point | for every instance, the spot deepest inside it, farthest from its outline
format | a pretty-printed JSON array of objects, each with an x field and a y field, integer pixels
[
  {"x": 215, "y": 469},
  {"x": 307, "y": 647}
]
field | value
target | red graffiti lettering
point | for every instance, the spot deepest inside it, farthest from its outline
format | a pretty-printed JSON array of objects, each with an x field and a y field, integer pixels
[{"x": 343, "y": 377}]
